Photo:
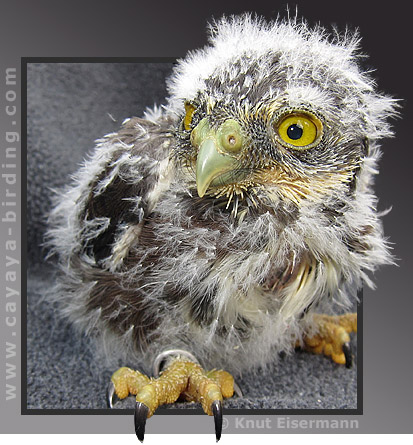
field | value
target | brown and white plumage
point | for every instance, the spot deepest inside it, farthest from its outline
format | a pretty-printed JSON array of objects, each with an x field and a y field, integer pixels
[{"x": 234, "y": 272}]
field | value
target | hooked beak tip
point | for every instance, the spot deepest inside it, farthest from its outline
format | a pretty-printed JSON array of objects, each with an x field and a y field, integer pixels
[{"x": 200, "y": 193}]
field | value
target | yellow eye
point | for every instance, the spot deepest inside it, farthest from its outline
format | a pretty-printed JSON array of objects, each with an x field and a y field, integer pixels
[
  {"x": 190, "y": 110},
  {"x": 300, "y": 130}
]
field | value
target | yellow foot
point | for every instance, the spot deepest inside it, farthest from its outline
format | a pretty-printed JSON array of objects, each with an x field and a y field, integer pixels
[
  {"x": 332, "y": 338},
  {"x": 181, "y": 377}
]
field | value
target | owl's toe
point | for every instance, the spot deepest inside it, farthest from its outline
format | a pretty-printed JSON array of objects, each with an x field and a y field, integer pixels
[
  {"x": 333, "y": 337},
  {"x": 123, "y": 382}
]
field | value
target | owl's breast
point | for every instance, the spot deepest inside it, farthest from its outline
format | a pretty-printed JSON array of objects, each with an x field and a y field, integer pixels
[{"x": 215, "y": 271}]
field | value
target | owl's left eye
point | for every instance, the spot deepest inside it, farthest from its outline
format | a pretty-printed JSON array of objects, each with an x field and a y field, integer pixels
[
  {"x": 300, "y": 130},
  {"x": 190, "y": 110}
]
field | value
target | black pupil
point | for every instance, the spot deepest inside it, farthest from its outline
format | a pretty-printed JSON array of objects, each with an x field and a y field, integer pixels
[{"x": 294, "y": 132}]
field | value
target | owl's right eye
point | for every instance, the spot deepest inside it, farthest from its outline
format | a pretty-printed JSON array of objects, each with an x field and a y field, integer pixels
[{"x": 190, "y": 110}]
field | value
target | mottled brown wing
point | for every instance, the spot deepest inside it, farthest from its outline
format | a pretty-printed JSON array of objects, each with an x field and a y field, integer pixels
[{"x": 118, "y": 194}]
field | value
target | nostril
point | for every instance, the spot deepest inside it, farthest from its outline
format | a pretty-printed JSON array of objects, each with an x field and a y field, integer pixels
[
  {"x": 231, "y": 136},
  {"x": 232, "y": 140}
]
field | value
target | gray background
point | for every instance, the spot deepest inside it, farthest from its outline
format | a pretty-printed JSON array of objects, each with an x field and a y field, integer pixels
[
  {"x": 79, "y": 29},
  {"x": 67, "y": 108}
]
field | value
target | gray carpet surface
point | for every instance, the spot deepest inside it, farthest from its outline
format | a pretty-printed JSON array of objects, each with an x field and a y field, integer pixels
[{"x": 68, "y": 107}]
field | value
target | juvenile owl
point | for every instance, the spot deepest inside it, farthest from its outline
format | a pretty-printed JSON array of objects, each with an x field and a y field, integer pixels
[{"x": 235, "y": 222}]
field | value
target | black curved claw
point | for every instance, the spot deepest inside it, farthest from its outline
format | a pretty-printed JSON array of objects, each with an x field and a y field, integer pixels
[
  {"x": 237, "y": 390},
  {"x": 347, "y": 354},
  {"x": 141, "y": 414},
  {"x": 217, "y": 411},
  {"x": 110, "y": 393}
]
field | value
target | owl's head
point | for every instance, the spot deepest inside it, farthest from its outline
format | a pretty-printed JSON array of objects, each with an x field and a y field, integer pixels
[{"x": 277, "y": 112}]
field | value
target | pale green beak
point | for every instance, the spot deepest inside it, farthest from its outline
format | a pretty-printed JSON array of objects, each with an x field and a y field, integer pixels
[
  {"x": 210, "y": 165},
  {"x": 217, "y": 161}
]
